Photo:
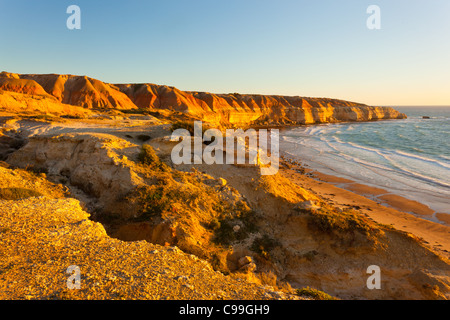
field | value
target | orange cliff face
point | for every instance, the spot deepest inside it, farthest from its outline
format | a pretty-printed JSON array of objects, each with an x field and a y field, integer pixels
[
  {"x": 82, "y": 91},
  {"x": 239, "y": 109}
]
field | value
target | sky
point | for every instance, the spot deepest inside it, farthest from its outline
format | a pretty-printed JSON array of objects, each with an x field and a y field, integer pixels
[{"x": 320, "y": 48}]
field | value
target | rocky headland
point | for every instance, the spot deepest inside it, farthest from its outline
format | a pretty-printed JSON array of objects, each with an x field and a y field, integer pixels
[{"x": 68, "y": 94}]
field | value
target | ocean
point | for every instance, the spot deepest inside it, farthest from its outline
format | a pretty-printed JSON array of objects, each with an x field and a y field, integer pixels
[{"x": 408, "y": 157}]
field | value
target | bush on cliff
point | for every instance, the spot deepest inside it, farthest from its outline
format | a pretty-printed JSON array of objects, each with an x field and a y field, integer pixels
[
  {"x": 314, "y": 294},
  {"x": 149, "y": 158},
  {"x": 344, "y": 226},
  {"x": 18, "y": 193},
  {"x": 233, "y": 222}
]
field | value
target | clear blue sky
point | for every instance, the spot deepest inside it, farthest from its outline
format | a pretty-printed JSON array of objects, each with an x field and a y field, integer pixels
[{"x": 288, "y": 47}]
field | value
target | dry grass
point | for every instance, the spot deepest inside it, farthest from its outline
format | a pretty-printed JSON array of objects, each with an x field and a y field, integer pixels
[
  {"x": 18, "y": 193},
  {"x": 344, "y": 226},
  {"x": 314, "y": 294},
  {"x": 22, "y": 184}
]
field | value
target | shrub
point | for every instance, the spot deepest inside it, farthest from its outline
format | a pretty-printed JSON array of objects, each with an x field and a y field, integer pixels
[
  {"x": 165, "y": 197},
  {"x": 72, "y": 116},
  {"x": 314, "y": 293},
  {"x": 149, "y": 158},
  {"x": 44, "y": 117},
  {"x": 18, "y": 193},
  {"x": 229, "y": 217},
  {"x": 263, "y": 245},
  {"x": 214, "y": 224},
  {"x": 342, "y": 223},
  {"x": 188, "y": 125},
  {"x": 148, "y": 155},
  {"x": 154, "y": 201}
]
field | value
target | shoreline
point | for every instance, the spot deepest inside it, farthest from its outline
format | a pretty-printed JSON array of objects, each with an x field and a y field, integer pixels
[
  {"x": 346, "y": 193},
  {"x": 305, "y": 256},
  {"x": 386, "y": 198},
  {"x": 287, "y": 126},
  {"x": 398, "y": 173},
  {"x": 377, "y": 204}
]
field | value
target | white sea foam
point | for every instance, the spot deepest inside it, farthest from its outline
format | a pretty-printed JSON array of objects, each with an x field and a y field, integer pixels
[{"x": 350, "y": 151}]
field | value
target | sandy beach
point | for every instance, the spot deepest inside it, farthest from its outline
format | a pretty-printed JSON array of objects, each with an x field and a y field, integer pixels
[{"x": 377, "y": 204}]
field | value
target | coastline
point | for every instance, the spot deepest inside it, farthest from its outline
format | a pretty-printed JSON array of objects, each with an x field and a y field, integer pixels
[
  {"x": 287, "y": 126},
  {"x": 307, "y": 257},
  {"x": 377, "y": 204}
]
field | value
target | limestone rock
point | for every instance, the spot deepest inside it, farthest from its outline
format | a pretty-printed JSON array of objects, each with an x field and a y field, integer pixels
[
  {"x": 244, "y": 261},
  {"x": 307, "y": 205}
]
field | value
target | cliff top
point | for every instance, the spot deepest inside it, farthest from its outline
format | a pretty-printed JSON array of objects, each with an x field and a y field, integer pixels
[{"x": 41, "y": 236}]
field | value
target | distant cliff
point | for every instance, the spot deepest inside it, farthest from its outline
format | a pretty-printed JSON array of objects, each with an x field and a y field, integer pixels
[{"x": 233, "y": 108}]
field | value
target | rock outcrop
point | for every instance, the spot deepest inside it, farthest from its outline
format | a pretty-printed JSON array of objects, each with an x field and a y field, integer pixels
[
  {"x": 239, "y": 109},
  {"x": 258, "y": 109},
  {"x": 90, "y": 162}
]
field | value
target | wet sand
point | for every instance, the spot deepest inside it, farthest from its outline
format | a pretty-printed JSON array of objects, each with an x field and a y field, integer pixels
[{"x": 377, "y": 204}]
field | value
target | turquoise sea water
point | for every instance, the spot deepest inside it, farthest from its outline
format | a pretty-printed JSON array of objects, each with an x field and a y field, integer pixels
[{"x": 409, "y": 157}]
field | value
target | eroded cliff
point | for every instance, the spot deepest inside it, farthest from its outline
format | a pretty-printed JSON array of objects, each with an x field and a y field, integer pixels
[{"x": 238, "y": 109}]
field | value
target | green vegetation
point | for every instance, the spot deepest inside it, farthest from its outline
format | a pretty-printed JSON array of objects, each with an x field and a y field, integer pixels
[
  {"x": 43, "y": 117},
  {"x": 329, "y": 221},
  {"x": 234, "y": 223},
  {"x": 154, "y": 201},
  {"x": 314, "y": 294},
  {"x": 149, "y": 158},
  {"x": 263, "y": 245},
  {"x": 17, "y": 193},
  {"x": 343, "y": 224},
  {"x": 167, "y": 197},
  {"x": 37, "y": 171},
  {"x": 187, "y": 125},
  {"x": 171, "y": 194},
  {"x": 69, "y": 116},
  {"x": 134, "y": 111}
]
